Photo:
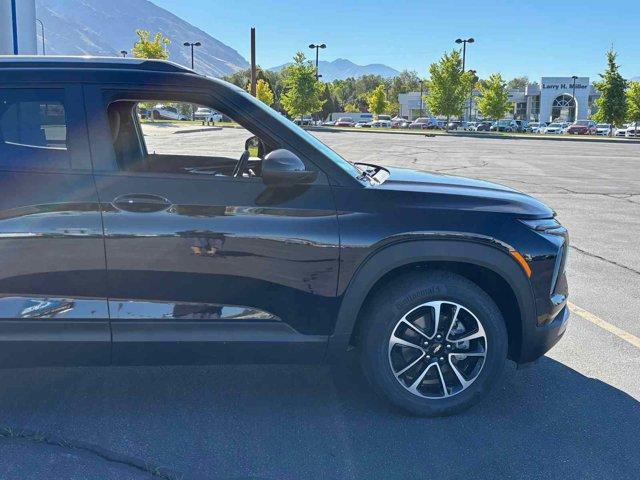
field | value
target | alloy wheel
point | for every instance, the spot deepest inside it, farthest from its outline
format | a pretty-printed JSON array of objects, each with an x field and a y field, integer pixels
[{"x": 437, "y": 349}]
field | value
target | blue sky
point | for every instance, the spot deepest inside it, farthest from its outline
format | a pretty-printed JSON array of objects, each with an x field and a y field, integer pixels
[{"x": 545, "y": 37}]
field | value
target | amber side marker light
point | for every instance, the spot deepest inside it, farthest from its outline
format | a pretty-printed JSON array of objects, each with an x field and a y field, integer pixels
[{"x": 521, "y": 260}]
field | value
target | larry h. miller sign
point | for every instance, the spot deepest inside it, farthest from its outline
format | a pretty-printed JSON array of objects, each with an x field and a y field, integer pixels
[{"x": 560, "y": 101}]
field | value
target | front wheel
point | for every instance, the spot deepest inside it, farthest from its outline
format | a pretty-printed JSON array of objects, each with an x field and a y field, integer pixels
[{"x": 433, "y": 343}]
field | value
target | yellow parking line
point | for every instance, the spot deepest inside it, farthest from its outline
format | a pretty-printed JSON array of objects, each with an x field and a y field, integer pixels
[{"x": 618, "y": 332}]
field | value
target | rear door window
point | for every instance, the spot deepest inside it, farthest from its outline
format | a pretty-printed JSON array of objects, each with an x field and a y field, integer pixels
[{"x": 33, "y": 129}]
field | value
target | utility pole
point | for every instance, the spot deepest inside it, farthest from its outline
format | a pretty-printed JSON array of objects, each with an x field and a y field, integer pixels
[
  {"x": 253, "y": 62},
  {"x": 317, "y": 46},
  {"x": 575, "y": 103}
]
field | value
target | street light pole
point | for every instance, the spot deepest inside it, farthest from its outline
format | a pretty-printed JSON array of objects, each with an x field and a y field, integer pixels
[
  {"x": 42, "y": 27},
  {"x": 421, "y": 101},
  {"x": 575, "y": 104},
  {"x": 189, "y": 44},
  {"x": 192, "y": 44},
  {"x": 317, "y": 47},
  {"x": 464, "y": 58}
]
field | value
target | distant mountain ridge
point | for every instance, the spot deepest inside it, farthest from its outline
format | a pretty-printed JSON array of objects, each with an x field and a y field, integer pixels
[
  {"x": 342, "y": 68},
  {"x": 105, "y": 27}
]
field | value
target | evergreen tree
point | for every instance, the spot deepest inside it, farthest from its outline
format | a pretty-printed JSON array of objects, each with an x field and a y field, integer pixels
[{"x": 612, "y": 104}]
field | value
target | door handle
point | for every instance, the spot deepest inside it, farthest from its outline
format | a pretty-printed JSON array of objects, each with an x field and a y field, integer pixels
[{"x": 141, "y": 203}]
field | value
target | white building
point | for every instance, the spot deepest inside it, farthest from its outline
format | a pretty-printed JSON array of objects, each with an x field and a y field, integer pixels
[{"x": 554, "y": 98}]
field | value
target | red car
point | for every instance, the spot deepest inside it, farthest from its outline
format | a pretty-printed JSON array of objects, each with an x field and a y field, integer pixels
[
  {"x": 345, "y": 122},
  {"x": 582, "y": 127}
]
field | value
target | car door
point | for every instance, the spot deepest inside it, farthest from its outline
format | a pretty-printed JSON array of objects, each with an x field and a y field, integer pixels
[
  {"x": 53, "y": 306},
  {"x": 204, "y": 267}
]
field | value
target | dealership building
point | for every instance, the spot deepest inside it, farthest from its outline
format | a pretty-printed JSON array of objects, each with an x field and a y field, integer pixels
[{"x": 552, "y": 99}]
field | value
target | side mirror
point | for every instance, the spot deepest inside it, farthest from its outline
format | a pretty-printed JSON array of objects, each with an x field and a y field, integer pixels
[{"x": 283, "y": 168}]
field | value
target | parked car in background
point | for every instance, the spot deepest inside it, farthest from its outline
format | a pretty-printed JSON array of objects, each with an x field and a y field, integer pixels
[
  {"x": 505, "y": 125},
  {"x": 554, "y": 128},
  {"x": 521, "y": 126},
  {"x": 604, "y": 129},
  {"x": 582, "y": 127},
  {"x": 484, "y": 126},
  {"x": 470, "y": 126},
  {"x": 328, "y": 124},
  {"x": 621, "y": 131},
  {"x": 207, "y": 115},
  {"x": 363, "y": 124},
  {"x": 304, "y": 121},
  {"x": 532, "y": 127},
  {"x": 454, "y": 125},
  {"x": 380, "y": 124},
  {"x": 422, "y": 123},
  {"x": 165, "y": 112},
  {"x": 399, "y": 122},
  {"x": 345, "y": 122},
  {"x": 633, "y": 131}
]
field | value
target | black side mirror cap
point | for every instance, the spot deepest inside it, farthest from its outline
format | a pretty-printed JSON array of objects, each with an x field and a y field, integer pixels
[{"x": 284, "y": 169}]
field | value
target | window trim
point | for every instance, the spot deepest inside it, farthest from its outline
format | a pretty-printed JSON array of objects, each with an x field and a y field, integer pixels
[{"x": 99, "y": 96}]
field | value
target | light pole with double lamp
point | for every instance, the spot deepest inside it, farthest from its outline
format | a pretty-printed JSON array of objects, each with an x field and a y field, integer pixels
[
  {"x": 317, "y": 46},
  {"x": 123, "y": 53},
  {"x": 192, "y": 44},
  {"x": 464, "y": 42},
  {"x": 189, "y": 44}
]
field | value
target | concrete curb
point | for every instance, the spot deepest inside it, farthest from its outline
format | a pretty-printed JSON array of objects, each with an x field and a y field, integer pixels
[
  {"x": 197, "y": 130},
  {"x": 433, "y": 133}
]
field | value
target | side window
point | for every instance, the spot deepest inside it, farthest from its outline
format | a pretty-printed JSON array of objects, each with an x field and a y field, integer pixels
[
  {"x": 171, "y": 137},
  {"x": 33, "y": 129}
]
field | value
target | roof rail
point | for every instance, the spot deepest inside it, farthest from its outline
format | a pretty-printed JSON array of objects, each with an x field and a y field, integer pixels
[{"x": 54, "y": 61}]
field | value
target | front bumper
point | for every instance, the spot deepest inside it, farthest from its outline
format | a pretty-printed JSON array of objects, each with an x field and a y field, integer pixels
[{"x": 539, "y": 340}]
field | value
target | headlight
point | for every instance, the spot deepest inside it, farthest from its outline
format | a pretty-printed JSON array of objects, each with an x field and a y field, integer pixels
[{"x": 545, "y": 225}]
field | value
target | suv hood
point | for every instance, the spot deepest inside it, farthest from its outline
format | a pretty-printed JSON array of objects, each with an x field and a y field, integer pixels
[{"x": 446, "y": 191}]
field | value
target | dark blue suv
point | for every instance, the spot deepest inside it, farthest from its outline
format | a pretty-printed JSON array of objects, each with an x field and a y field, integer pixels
[{"x": 132, "y": 241}]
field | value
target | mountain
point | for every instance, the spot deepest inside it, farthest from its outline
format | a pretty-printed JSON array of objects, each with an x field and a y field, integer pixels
[
  {"x": 105, "y": 27},
  {"x": 341, "y": 68}
]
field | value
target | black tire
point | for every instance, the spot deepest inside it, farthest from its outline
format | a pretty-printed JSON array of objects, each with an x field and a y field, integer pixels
[{"x": 387, "y": 308}]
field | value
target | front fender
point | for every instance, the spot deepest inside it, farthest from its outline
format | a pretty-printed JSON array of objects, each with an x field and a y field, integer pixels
[{"x": 480, "y": 251}]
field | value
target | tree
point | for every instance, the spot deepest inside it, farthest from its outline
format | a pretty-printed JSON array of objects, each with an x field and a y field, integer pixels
[
  {"x": 145, "y": 47},
  {"x": 263, "y": 92},
  {"x": 449, "y": 88},
  {"x": 612, "y": 103},
  {"x": 406, "y": 81},
  {"x": 329, "y": 100},
  {"x": 518, "y": 83},
  {"x": 351, "y": 108},
  {"x": 377, "y": 100},
  {"x": 633, "y": 103},
  {"x": 302, "y": 88},
  {"x": 494, "y": 97}
]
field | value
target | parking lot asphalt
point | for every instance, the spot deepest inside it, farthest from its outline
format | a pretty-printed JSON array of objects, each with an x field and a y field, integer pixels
[{"x": 574, "y": 415}]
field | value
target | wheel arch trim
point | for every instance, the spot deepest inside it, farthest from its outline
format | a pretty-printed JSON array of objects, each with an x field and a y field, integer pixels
[{"x": 478, "y": 250}]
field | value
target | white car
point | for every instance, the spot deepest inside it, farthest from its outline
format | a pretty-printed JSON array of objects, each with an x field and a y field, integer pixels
[
  {"x": 164, "y": 112},
  {"x": 621, "y": 132},
  {"x": 536, "y": 127},
  {"x": 603, "y": 129},
  {"x": 207, "y": 115},
  {"x": 554, "y": 129},
  {"x": 633, "y": 131},
  {"x": 381, "y": 124}
]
